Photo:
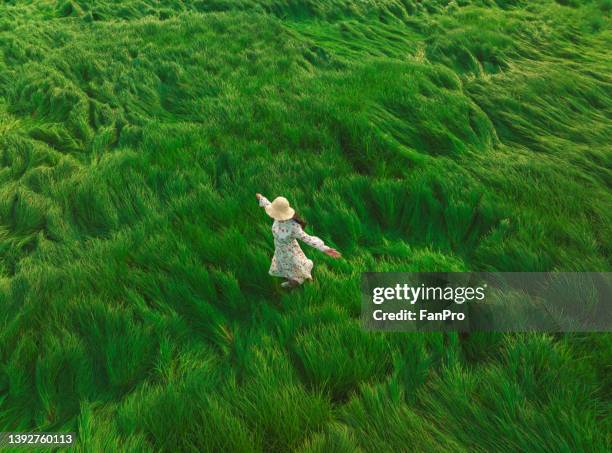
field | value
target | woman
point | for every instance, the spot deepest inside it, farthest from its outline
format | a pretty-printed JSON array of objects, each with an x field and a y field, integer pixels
[{"x": 289, "y": 261}]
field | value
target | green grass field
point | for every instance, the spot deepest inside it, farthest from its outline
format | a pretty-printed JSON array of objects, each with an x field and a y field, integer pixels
[{"x": 414, "y": 135}]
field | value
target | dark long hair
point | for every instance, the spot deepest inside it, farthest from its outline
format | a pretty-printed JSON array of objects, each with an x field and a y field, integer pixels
[{"x": 298, "y": 219}]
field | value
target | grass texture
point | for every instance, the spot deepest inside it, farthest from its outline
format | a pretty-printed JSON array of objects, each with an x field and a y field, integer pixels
[{"x": 413, "y": 135}]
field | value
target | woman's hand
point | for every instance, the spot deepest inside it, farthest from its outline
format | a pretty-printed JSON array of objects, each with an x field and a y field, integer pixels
[
  {"x": 333, "y": 253},
  {"x": 258, "y": 196}
]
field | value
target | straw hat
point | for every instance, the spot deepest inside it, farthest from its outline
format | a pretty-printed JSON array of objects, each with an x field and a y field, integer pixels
[{"x": 279, "y": 209}]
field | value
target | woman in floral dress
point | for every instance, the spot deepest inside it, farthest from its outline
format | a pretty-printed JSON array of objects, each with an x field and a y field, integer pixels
[{"x": 289, "y": 260}]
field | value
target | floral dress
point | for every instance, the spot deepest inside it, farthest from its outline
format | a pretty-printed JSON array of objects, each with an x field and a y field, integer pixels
[{"x": 289, "y": 260}]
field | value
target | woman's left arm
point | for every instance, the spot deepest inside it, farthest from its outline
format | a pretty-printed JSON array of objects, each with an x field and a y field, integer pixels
[
  {"x": 314, "y": 241},
  {"x": 263, "y": 201}
]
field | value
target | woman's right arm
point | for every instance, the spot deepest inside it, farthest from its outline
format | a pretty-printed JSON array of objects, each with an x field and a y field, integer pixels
[{"x": 263, "y": 201}]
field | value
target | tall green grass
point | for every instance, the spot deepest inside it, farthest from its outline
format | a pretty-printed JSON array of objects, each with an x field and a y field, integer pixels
[{"x": 135, "y": 304}]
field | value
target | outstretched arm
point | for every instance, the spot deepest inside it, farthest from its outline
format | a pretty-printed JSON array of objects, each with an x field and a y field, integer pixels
[
  {"x": 314, "y": 241},
  {"x": 263, "y": 201}
]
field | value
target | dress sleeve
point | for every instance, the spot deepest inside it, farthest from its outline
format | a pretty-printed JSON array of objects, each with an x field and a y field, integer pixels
[
  {"x": 313, "y": 241},
  {"x": 263, "y": 202}
]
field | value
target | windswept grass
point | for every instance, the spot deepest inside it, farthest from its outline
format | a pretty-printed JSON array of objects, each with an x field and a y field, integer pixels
[{"x": 135, "y": 304}]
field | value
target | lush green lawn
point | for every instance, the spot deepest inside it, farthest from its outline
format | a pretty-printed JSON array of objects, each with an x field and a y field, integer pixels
[{"x": 135, "y": 304}]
